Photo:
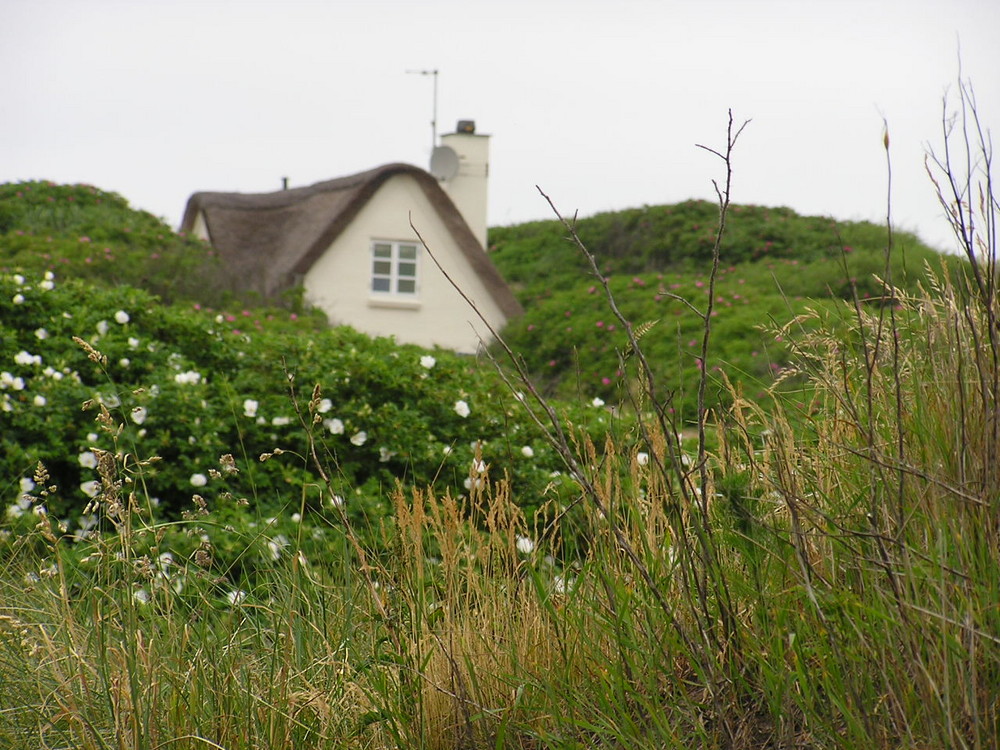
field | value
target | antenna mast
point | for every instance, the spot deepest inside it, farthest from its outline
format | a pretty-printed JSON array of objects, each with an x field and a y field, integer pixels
[{"x": 434, "y": 115}]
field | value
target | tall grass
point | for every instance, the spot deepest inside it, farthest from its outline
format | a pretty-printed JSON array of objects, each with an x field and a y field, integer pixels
[{"x": 777, "y": 578}]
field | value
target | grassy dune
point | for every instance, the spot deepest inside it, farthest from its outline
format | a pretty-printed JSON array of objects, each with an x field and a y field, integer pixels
[{"x": 768, "y": 569}]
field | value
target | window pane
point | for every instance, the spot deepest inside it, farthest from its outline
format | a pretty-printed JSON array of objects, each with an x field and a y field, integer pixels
[
  {"x": 408, "y": 269},
  {"x": 407, "y": 286},
  {"x": 381, "y": 250},
  {"x": 408, "y": 252},
  {"x": 380, "y": 285},
  {"x": 382, "y": 267}
]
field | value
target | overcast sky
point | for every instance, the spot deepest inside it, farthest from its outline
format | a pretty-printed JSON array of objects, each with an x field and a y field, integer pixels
[{"x": 600, "y": 103}]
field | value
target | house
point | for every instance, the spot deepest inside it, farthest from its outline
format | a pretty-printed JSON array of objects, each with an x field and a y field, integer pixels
[{"x": 349, "y": 243}]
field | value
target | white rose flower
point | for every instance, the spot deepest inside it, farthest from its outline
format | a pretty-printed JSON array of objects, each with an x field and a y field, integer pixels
[
  {"x": 462, "y": 409},
  {"x": 359, "y": 438},
  {"x": 188, "y": 378},
  {"x": 88, "y": 460},
  {"x": 334, "y": 425},
  {"x": 122, "y": 317},
  {"x": 250, "y": 407},
  {"x": 198, "y": 480},
  {"x": 427, "y": 361},
  {"x": 527, "y": 451},
  {"x": 524, "y": 545},
  {"x": 139, "y": 414},
  {"x": 642, "y": 458}
]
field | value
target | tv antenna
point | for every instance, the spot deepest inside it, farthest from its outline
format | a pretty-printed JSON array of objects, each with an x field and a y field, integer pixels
[{"x": 434, "y": 115}]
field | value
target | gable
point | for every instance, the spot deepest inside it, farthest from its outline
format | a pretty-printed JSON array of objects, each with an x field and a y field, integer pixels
[{"x": 340, "y": 280}]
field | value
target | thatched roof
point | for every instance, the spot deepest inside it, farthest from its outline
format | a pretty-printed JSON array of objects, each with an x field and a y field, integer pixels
[{"x": 270, "y": 240}]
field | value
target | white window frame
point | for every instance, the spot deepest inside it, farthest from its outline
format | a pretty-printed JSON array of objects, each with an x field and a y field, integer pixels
[{"x": 394, "y": 269}]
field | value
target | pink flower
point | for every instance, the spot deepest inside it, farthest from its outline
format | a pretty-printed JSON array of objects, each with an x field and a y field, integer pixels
[
  {"x": 699, "y": 284},
  {"x": 600, "y": 324},
  {"x": 605, "y": 381}
]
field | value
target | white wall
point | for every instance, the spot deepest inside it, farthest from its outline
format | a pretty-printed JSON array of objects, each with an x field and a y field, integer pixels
[
  {"x": 200, "y": 229},
  {"x": 340, "y": 281}
]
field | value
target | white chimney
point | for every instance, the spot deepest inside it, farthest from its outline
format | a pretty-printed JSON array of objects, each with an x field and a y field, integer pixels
[{"x": 465, "y": 178}]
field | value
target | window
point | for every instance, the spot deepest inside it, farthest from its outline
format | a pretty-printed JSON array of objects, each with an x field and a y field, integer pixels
[{"x": 394, "y": 267}]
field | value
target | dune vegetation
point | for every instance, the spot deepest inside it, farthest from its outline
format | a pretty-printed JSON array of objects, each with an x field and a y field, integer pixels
[{"x": 734, "y": 485}]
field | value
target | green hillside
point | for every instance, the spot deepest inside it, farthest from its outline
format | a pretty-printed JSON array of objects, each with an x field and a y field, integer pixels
[
  {"x": 774, "y": 265},
  {"x": 227, "y": 525}
]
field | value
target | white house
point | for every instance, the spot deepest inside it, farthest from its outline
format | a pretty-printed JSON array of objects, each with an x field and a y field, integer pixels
[{"x": 349, "y": 243}]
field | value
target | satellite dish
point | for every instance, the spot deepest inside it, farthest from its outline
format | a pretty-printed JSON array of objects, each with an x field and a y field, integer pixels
[{"x": 444, "y": 162}]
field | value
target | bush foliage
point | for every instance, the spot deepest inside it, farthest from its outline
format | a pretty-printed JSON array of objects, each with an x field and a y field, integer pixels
[
  {"x": 186, "y": 386},
  {"x": 774, "y": 264}
]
